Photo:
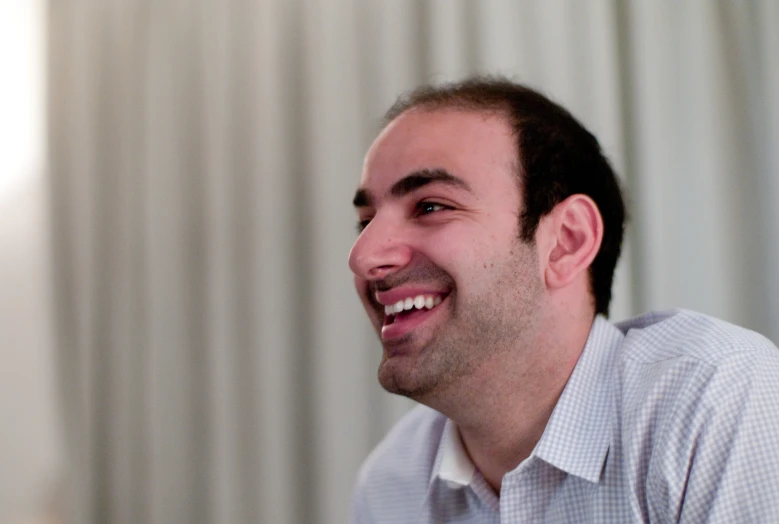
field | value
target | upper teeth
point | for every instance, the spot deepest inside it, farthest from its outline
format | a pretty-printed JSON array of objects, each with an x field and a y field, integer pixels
[{"x": 419, "y": 302}]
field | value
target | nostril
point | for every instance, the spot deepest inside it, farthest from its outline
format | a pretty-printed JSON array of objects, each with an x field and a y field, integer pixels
[
  {"x": 375, "y": 256},
  {"x": 380, "y": 272}
]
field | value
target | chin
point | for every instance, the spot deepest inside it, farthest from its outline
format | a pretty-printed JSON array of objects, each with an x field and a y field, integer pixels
[{"x": 400, "y": 377}]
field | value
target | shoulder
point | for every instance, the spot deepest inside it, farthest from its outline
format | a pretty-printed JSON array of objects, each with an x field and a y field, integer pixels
[
  {"x": 697, "y": 408},
  {"x": 681, "y": 357},
  {"x": 665, "y": 335},
  {"x": 398, "y": 470}
]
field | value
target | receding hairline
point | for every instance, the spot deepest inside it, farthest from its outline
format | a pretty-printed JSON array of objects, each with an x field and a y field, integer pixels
[
  {"x": 463, "y": 97},
  {"x": 457, "y": 103},
  {"x": 495, "y": 111},
  {"x": 500, "y": 109}
]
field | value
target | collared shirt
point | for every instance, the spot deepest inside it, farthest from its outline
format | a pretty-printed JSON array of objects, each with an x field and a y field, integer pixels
[{"x": 669, "y": 417}]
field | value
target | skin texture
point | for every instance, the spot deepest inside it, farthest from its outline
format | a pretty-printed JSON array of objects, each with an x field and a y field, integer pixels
[{"x": 439, "y": 201}]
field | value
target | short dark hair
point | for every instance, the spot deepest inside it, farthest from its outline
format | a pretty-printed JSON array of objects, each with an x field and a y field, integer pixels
[{"x": 557, "y": 158}]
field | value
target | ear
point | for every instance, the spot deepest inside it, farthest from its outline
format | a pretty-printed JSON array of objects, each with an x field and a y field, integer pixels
[{"x": 572, "y": 234}]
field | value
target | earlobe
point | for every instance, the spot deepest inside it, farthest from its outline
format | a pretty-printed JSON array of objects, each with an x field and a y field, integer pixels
[{"x": 575, "y": 232}]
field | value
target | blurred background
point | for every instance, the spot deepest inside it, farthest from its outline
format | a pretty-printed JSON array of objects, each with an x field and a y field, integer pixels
[{"x": 179, "y": 337}]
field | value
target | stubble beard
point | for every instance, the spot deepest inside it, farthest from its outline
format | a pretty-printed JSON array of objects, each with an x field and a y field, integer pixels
[{"x": 477, "y": 330}]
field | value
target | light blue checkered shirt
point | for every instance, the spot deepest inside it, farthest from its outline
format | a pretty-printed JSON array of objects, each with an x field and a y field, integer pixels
[{"x": 669, "y": 417}]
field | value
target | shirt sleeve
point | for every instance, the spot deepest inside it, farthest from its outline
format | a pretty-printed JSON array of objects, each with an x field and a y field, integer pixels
[{"x": 720, "y": 455}]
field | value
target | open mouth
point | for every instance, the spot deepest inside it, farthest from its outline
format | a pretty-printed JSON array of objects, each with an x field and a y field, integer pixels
[
  {"x": 410, "y": 307},
  {"x": 405, "y": 315},
  {"x": 407, "y": 307}
]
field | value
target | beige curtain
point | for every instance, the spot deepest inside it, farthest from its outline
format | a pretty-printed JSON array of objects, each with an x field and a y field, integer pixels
[{"x": 214, "y": 363}]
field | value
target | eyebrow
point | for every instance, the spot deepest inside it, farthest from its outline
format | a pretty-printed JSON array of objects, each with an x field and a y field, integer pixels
[{"x": 412, "y": 182}]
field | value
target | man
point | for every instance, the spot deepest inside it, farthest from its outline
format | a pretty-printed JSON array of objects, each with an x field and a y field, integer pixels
[{"x": 490, "y": 225}]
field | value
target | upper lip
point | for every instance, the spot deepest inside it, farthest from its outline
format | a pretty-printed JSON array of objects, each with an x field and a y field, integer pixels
[{"x": 386, "y": 298}]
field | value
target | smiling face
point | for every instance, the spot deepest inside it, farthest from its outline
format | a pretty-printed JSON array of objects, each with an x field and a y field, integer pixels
[{"x": 438, "y": 264}]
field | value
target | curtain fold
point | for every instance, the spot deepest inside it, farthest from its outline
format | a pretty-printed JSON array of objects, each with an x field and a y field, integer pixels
[{"x": 214, "y": 362}]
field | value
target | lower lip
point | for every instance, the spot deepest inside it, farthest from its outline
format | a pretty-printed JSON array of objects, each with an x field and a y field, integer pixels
[{"x": 404, "y": 325}]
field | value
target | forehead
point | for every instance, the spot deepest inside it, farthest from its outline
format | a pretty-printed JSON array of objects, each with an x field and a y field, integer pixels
[{"x": 476, "y": 146}]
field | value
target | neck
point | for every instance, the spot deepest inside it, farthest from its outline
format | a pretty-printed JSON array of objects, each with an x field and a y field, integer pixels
[{"x": 503, "y": 409}]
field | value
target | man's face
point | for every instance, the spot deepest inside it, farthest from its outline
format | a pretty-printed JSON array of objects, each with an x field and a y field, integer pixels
[{"x": 439, "y": 265}]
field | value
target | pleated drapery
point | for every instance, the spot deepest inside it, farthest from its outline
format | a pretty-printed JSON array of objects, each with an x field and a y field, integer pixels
[{"x": 214, "y": 362}]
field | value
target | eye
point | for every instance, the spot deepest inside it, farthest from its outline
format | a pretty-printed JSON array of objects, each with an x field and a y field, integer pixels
[
  {"x": 425, "y": 208},
  {"x": 361, "y": 225}
]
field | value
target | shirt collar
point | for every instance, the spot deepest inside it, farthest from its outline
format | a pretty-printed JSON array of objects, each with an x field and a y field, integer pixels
[
  {"x": 453, "y": 465},
  {"x": 577, "y": 437},
  {"x": 452, "y": 468}
]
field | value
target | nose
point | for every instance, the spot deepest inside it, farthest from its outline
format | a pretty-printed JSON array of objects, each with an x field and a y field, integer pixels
[{"x": 379, "y": 251}]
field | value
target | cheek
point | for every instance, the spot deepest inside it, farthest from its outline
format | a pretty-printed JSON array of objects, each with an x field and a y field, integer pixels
[
  {"x": 465, "y": 251},
  {"x": 487, "y": 265}
]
